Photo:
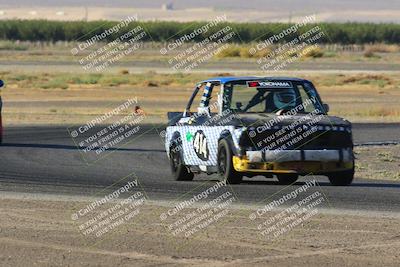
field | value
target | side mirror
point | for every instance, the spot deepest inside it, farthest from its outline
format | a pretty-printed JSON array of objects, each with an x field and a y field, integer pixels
[
  {"x": 1, "y": 83},
  {"x": 326, "y": 107}
]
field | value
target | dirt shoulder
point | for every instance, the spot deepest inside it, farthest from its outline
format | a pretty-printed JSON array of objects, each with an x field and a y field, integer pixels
[
  {"x": 41, "y": 232},
  {"x": 378, "y": 162}
]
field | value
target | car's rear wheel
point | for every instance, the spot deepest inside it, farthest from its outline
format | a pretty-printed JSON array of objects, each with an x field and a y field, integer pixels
[
  {"x": 287, "y": 178},
  {"x": 179, "y": 171},
  {"x": 225, "y": 165},
  {"x": 341, "y": 178}
]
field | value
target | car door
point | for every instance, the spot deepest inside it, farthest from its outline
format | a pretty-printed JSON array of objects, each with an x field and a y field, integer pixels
[{"x": 199, "y": 139}]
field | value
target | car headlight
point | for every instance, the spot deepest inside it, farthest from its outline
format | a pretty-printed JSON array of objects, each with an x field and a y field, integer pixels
[{"x": 238, "y": 132}]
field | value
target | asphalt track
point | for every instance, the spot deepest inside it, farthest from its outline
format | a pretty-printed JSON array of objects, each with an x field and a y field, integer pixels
[{"x": 45, "y": 159}]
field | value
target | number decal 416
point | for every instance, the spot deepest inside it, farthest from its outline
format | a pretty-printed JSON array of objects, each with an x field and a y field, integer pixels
[{"x": 200, "y": 145}]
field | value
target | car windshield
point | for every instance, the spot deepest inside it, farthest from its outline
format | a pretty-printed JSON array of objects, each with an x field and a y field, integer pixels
[{"x": 271, "y": 97}]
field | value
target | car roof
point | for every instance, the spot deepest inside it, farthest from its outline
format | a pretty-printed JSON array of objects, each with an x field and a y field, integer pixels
[{"x": 223, "y": 80}]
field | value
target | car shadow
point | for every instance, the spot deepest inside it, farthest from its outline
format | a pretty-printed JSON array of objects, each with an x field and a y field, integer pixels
[{"x": 370, "y": 183}]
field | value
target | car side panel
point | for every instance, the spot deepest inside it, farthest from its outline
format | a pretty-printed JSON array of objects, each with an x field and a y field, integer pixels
[{"x": 188, "y": 134}]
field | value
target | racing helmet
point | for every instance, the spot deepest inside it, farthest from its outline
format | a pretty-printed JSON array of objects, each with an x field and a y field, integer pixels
[{"x": 284, "y": 99}]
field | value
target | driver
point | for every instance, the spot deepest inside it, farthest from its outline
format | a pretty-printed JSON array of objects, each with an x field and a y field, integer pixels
[{"x": 285, "y": 99}]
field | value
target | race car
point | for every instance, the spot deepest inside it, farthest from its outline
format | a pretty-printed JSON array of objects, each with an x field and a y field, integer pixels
[{"x": 250, "y": 126}]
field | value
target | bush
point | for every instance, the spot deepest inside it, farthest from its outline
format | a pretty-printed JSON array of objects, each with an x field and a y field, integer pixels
[
  {"x": 313, "y": 52},
  {"x": 370, "y": 54},
  {"x": 230, "y": 51},
  {"x": 54, "y": 84},
  {"x": 245, "y": 53},
  {"x": 263, "y": 53},
  {"x": 150, "y": 84}
]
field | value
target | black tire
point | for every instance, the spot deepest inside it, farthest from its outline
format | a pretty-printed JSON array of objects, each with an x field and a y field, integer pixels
[
  {"x": 341, "y": 178},
  {"x": 225, "y": 165},
  {"x": 287, "y": 178},
  {"x": 179, "y": 171}
]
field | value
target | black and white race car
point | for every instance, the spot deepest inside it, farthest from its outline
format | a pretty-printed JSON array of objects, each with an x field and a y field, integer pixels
[{"x": 248, "y": 126}]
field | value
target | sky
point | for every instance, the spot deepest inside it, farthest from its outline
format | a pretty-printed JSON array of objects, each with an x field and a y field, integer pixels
[
  {"x": 223, "y": 4},
  {"x": 337, "y": 10}
]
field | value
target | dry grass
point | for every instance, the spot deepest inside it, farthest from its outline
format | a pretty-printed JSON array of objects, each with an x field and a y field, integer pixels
[
  {"x": 60, "y": 51},
  {"x": 371, "y": 50},
  {"x": 32, "y": 98},
  {"x": 232, "y": 51},
  {"x": 243, "y": 51},
  {"x": 362, "y": 97},
  {"x": 313, "y": 52},
  {"x": 383, "y": 48},
  {"x": 378, "y": 79}
]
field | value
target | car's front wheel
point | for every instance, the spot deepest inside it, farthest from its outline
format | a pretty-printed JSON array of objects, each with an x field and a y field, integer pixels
[
  {"x": 225, "y": 165},
  {"x": 179, "y": 171},
  {"x": 341, "y": 178}
]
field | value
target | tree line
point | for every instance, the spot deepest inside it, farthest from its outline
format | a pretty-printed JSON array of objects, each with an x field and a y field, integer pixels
[{"x": 161, "y": 31}]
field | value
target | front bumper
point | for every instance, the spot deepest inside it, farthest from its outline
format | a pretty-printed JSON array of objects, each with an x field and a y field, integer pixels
[{"x": 295, "y": 161}]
